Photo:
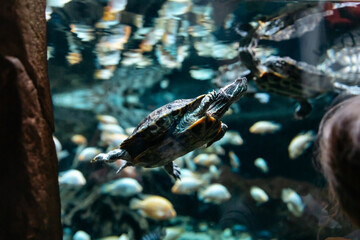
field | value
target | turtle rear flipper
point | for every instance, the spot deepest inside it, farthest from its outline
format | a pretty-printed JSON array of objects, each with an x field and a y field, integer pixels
[{"x": 303, "y": 109}]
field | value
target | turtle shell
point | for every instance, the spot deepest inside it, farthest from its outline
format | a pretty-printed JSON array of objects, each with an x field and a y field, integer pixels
[{"x": 158, "y": 126}]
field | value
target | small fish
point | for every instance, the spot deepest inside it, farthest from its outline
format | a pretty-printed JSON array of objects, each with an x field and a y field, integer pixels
[
  {"x": 81, "y": 235},
  {"x": 186, "y": 185},
  {"x": 263, "y": 127},
  {"x": 173, "y": 233},
  {"x": 300, "y": 143},
  {"x": 112, "y": 139},
  {"x": 154, "y": 207},
  {"x": 61, "y": 154},
  {"x": 117, "y": 5},
  {"x": 207, "y": 160},
  {"x": 129, "y": 130},
  {"x": 88, "y": 154},
  {"x": 215, "y": 193},
  {"x": 261, "y": 164},
  {"x": 262, "y": 97},
  {"x": 112, "y": 128},
  {"x": 202, "y": 73},
  {"x": 234, "y": 161},
  {"x": 79, "y": 139},
  {"x": 74, "y": 58},
  {"x": 124, "y": 187},
  {"x": 72, "y": 177},
  {"x": 103, "y": 74},
  {"x": 231, "y": 137},
  {"x": 293, "y": 201},
  {"x": 259, "y": 195}
]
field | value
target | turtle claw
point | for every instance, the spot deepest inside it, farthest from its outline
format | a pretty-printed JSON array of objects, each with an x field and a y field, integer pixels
[
  {"x": 122, "y": 166},
  {"x": 173, "y": 170}
]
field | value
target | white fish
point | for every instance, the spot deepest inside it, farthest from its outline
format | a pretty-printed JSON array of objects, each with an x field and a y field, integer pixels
[
  {"x": 88, "y": 154},
  {"x": 56, "y": 3},
  {"x": 112, "y": 139},
  {"x": 207, "y": 160},
  {"x": 262, "y": 97},
  {"x": 57, "y": 143},
  {"x": 103, "y": 74},
  {"x": 117, "y": 5},
  {"x": 81, "y": 235},
  {"x": 231, "y": 137},
  {"x": 202, "y": 73},
  {"x": 300, "y": 143},
  {"x": 293, "y": 201},
  {"x": 263, "y": 127},
  {"x": 261, "y": 164},
  {"x": 61, "y": 154},
  {"x": 234, "y": 161},
  {"x": 124, "y": 187},
  {"x": 215, "y": 193},
  {"x": 259, "y": 195},
  {"x": 186, "y": 185},
  {"x": 112, "y": 128},
  {"x": 72, "y": 177},
  {"x": 173, "y": 233}
]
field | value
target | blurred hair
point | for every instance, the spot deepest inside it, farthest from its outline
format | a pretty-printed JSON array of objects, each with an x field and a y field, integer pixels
[{"x": 339, "y": 155}]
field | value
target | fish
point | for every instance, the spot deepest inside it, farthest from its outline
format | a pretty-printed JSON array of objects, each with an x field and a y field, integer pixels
[
  {"x": 258, "y": 195},
  {"x": 202, "y": 73},
  {"x": 124, "y": 187},
  {"x": 300, "y": 143},
  {"x": 87, "y": 154},
  {"x": 154, "y": 207},
  {"x": 74, "y": 58},
  {"x": 234, "y": 161},
  {"x": 261, "y": 164},
  {"x": 79, "y": 139},
  {"x": 112, "y": 139},
  {"x": 61, "y": 154},
  {"x": 262, "y": 97},
  {"x": 231, "y": 137},
  {"x": 72, "y": 177},
  {"x": 264, "y": 127},
  {"x": 117, "y": 5},
  {"x": 215, "y": 193},
  {"x": 81, "y": 235},
  {"x": 293, "y": 201},
  {"x": 103, "y": 74},
  {"x": 186, "y": 185},
  {"x": 112, "y": 128},
  {"x": 207, "y": 160}
]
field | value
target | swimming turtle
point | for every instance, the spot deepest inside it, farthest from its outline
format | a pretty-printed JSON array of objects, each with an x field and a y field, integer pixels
[{"x": 176, "y": 129}]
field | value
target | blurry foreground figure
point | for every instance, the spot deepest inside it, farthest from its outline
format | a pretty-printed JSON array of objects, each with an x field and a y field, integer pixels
[{"x": 339, "y": 155}]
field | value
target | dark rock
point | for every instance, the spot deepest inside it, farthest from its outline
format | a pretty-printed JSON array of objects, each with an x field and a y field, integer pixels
[{"x": 30, "y": 203}]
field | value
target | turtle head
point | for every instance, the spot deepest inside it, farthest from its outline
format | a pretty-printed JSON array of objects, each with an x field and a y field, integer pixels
[{"x": 220, "y": 101}]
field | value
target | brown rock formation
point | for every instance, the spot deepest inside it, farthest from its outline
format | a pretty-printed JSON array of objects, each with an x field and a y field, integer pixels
[{"x": 29, "y": 202}]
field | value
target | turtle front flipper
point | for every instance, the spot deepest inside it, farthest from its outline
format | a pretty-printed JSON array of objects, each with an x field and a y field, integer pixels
[
  {"x": 112, "y": 156},
  {"x": 303, "y": 109},
  {"x": 173, "y": 170},
  {"x": 221, "y": 133}
]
